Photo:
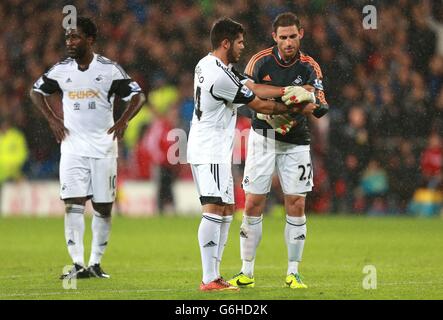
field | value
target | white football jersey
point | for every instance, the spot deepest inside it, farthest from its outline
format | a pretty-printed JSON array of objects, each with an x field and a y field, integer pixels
[
  {"x": 217, "y": 93},
  {"x": 88, "y": 98}
]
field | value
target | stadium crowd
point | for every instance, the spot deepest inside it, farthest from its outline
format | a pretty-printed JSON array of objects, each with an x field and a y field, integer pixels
[{"x": 380, "y": 142}]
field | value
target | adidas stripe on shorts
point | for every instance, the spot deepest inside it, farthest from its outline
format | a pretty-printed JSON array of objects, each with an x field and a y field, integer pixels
[{"x": 214, "y": 183}]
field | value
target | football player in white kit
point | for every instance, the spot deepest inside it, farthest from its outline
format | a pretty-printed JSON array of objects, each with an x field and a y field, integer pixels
[
  {"x": 87, "y": 133},
  {"x": 218, "y": 90}
]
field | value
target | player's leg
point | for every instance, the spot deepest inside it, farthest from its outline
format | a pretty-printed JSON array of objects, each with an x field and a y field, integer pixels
[
  {"x": 228, "y": 198},
  {"x": 101, "y": 229},
  {"x": 259, "y": 168},
  {"x": 224, "y": 232},
  {"x": 296, "y": 177},
  {"x": 103, "y": 176},
  {"x": 208, "y": 182},
  {"x": 295, "y": 235},
  {"x": 74, "y": 182}
]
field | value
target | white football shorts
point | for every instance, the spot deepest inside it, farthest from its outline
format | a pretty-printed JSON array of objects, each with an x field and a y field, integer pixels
[
  {"x": 214, "y": 183},
  {"x": 293, "y": 164},
  {"x": 88, "y": 177}
]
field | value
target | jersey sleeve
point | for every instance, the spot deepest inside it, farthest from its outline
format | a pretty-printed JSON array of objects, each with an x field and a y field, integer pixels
[
  {"x": 242, "y": 77},
  {"x": 122, "y": 85},
  {"x": 47, "y": 83},
  {"x": 229, "y": 88},
  {"x": 316, "y": 80}
]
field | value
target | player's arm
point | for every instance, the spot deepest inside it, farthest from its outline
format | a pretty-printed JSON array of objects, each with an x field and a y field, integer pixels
[
  {"x": 229, "y": 87},
  {"x": 131, "y": 110},
  {"x": 263, "y": 91},
  {"x": 43, "y": 87},
  {"x": 315, "y": 84},
  {"x": 266, "y": 91},
  {"x": 129, "y": 91},
  {"x": 269, "y": 106}
]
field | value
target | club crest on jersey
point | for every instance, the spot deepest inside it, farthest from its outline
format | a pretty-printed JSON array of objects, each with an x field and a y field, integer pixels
[
  {"x": 99, "y": 78},
  {"x": 297, "y": 81}
]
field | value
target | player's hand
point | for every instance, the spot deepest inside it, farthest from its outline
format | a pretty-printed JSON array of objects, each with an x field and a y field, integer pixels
[
  {"x": 58, "y": 128},
  {"x": 118, "y": 128},
  {"x": 297, "y": 94}
]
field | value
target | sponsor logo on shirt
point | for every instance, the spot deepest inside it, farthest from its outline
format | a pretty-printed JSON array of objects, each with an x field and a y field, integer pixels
[{"x": 83, "y": 94}]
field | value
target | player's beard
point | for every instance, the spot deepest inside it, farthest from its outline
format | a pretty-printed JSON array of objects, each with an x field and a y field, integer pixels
[
  {"x": 78, "y": 53},
  {"x": 231, "y": 57}
]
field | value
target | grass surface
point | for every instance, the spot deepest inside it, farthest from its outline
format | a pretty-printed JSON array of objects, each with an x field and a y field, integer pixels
[{"x": 158, "y": 258}]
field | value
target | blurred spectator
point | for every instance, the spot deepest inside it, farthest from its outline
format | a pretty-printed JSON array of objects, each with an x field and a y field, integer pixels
[
  {"x": 403, "y": 172},
  {"x": 13, "y": 152},
  {"x": 157, "y": 142},
  {"x": 432, "y": 161},
  {"x": 374, "y": 185}
]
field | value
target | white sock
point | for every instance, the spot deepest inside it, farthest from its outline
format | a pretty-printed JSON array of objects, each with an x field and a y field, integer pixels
[
  {"x": 101, "y": 228},
  {"x": 250, "y": 236},
  {"x": 224, "y": 232},
  {"x": 74, "y": 231},
  {"x": 209, "y": 238},
  {"x": 295, "y": 235}
]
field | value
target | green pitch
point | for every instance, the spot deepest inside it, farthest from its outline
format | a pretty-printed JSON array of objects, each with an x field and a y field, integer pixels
[{"x": 158, "y": 258}]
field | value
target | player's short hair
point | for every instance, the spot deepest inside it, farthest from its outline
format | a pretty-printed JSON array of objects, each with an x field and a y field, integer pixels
[
  {"x": 87, "y": 26},
  {"x": 286, "y": 19},
  {"x": 225, "y": 28}
]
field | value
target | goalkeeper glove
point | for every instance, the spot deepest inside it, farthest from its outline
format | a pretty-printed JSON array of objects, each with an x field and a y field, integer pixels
[
  {"x": 297, "y": 94},
  {"x": 280, "y": 123}
]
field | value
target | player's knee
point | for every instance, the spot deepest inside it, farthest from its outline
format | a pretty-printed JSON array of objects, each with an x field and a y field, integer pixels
[
  {"x": 295, "y": 205},
  {"x": 69, "y": 203},
  {"x": 104, "y": 209},
  {"x": 255, "y": 204}
]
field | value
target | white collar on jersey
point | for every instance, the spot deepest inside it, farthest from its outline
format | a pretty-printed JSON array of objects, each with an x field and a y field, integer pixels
[{"x": 229, "y": 66}]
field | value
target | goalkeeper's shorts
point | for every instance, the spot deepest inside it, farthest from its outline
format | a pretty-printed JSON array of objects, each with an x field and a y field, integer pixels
[{"x": 293, "y": 164}]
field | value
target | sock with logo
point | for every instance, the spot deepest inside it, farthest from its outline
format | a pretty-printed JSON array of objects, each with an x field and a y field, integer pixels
[
  {"x": 224, "y": 232},
  {"x": 101, "y": 228},
  {"x": 295, "y": 235},
  {"x": 74, "y": 231},
  {"x": 250, "y": 236},
  {"x": 209, "y": 238}
]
